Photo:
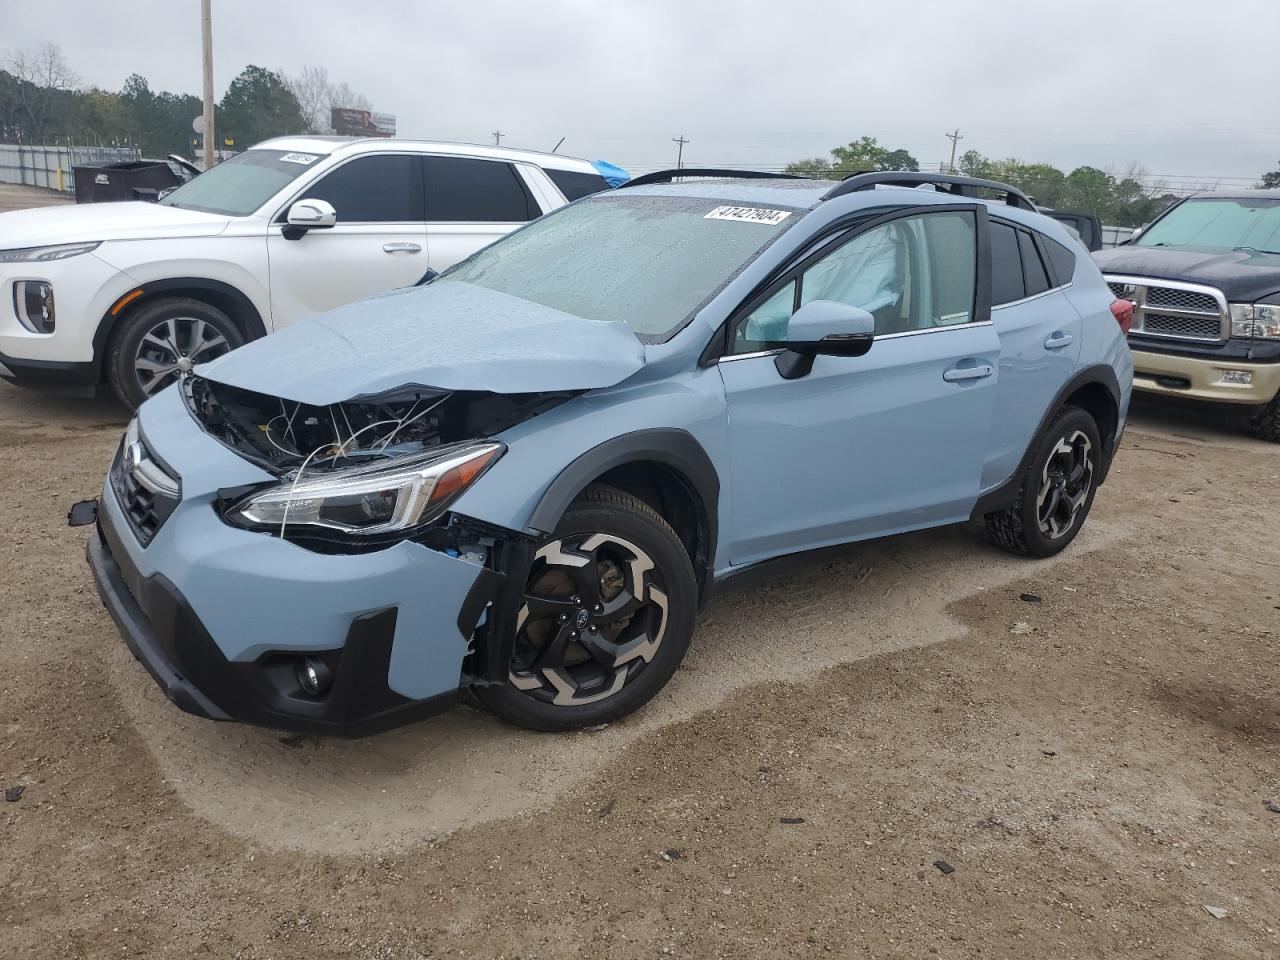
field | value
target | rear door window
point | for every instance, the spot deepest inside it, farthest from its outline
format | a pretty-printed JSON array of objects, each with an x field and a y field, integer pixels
[
  {"x": 466, "y": 190},
  {"x": 1006, "y": 265},
  {"x": 1034, "y": 274},
  {"x": 377, "y": 189},
  {"x": 1062, "y": 262}
]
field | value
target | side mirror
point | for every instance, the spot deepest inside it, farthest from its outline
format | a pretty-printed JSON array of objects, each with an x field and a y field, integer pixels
[
  {"x": 824, "y": 327},
  {"x": 309, "y": 215}
]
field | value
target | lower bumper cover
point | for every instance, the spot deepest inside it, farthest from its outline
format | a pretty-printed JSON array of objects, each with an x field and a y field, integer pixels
[
  {"x": 163, "y": 632},
  {"x": 67, "y": 377},
  {"x": 1201, "y": 378}
]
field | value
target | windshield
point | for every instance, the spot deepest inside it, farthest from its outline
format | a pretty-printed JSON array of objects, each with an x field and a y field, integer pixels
[
  {"x": 1224, "y": 224},
  {"x": 242, "y": 184},
  {"x": 646, "y": 261}
]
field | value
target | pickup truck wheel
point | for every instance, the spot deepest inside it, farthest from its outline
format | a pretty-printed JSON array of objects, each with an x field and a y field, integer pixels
[
  {"x": 1267, "y": 423},
  {"x": 607, "y": 613},
  {"x": 159, "y": 342},
  {"x": 1057, "y": 489}
]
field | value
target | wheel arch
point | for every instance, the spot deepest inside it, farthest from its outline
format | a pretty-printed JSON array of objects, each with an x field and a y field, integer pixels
[
  {"x": 1094, "y": 389},
  {"x": 217, "y": 293},
  {"x": 667, "y": 469}
]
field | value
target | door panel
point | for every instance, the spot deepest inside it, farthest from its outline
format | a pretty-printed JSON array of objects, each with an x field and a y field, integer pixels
[
  {"x": 378, "y": 244},
  {"x": 871, "y": 445},
  {"x": 861, "y": 447}
]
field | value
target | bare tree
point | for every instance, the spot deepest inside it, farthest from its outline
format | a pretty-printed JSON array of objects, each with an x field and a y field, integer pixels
[
  {"x": 42, "y": 73},
  {"x": 317, "y": 97},
  {"x": 311, "y": 88}
]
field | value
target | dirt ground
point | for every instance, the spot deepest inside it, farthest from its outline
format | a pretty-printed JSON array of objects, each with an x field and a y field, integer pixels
[
  {"x": 1095, "y": 782},
  {"x": 15, "y": 196}
]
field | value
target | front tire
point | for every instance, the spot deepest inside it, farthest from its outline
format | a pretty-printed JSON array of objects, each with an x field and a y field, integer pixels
[
  {"x": 160, "y": 341},
  {"x": 607, "y": 614},
  {"x": 1266, "y": 425},
  {"x": 1056, "y": 490}
]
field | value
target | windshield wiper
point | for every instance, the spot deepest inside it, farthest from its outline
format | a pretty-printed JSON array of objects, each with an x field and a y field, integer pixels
[{"x": 1247, "y": 249}]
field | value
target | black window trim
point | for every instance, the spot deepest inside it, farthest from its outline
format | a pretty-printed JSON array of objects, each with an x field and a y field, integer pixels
[
  {"x": 846, "y": 230},
  {"x": 281, "y": 215},
  {"x": 1050, "y": 272}
]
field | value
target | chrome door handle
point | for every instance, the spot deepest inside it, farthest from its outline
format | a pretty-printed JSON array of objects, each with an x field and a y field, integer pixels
[
  {"x": 401, "y": 248},
  {"x": 958, "y": 374},
  {"x": 1057, "y": 341}
]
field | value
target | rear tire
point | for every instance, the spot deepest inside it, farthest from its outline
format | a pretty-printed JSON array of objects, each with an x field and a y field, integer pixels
[
  {"x": 1266, "y": 425},
  {"x": 161, "y": 340},
  {"x": 1056, "y": 490},
  {"x": 608, "y": 611}
]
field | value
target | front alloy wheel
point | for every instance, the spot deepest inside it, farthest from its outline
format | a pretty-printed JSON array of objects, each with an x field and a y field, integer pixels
[{"x": 603, "y": 619}]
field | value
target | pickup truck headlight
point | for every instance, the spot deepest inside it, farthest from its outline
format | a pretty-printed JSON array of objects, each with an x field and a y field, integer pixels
[
  {"x": 371, "y": 499},
  {"x": 1258, "y": 321},
  {"x": 43, "y": 254}
]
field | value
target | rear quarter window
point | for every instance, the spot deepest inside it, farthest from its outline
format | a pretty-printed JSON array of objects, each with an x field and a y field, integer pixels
[
  {"x": 575, "y": 185},
  {"x": 1062, "y": 262}
]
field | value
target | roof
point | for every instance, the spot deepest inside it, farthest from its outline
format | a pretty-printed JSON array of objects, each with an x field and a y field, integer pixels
[
  {"x": 803, "y": 193},
  {"x": 1236, "y": 194},
  {"x": 357, "y": 145}
]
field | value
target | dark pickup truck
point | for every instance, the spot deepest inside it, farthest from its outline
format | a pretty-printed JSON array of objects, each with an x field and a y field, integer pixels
[{"x": 1204, "y": 279}]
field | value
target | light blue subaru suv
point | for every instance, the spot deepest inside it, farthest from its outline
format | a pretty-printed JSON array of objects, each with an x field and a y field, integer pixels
[{"x": 526, "y": 475}]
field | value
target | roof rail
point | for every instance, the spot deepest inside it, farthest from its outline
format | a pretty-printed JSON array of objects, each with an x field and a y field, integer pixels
[
  {"x": 666, "y": 176},
  {"x": 959, "y": 186}
]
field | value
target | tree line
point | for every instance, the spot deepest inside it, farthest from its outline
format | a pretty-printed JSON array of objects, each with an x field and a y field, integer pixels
[
  {"x": 1120, "y": 200},
  {"x": 43, "y": 101}
]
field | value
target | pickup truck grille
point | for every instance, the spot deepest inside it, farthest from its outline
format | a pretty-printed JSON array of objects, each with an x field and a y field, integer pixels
[{"x": 1178, "y": 311}]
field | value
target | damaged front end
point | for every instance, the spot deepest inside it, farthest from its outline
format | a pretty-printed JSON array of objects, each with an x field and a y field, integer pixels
[{"x": 362, "y": 475}]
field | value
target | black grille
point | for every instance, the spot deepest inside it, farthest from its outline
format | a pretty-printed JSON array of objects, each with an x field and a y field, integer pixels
[
  {"x": 1121, "y": 291},
  {"x": 146, "y": 510},
  {"x": 1181, "y": 300},
  {"x": 1204, "y": 328}
]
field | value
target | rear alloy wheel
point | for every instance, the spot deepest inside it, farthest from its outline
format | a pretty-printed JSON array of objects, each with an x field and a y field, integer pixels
[
  {"x": 162, "y": 341},
  {"x": 604, "y": 620},
  {"x": 1056, "y": 491}
]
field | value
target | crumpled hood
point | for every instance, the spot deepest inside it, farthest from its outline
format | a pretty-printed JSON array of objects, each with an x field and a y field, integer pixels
[
  {"x": 1242, "y": 276},
  {"x": 130, "y": 220},
  {"x": 448, "y": 335}
]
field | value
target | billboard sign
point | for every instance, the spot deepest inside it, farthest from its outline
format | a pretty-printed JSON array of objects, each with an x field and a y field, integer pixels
[{"x": 351, "y": 122}]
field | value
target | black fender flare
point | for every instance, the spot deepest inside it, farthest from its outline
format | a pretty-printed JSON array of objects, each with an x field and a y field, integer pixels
[
  {"x": 671, "y": 447},
  {"x": 1004, "y": 495},
  {"x": 245, "y": 310}
]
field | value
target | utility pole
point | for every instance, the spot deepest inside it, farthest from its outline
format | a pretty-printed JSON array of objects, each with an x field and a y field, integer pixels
[
  {"x": 954, "y": 138},
  {"x": 680, "y": 141},
  {"x": 497, "y": 138},
  {"x": 206, "y": 33}
]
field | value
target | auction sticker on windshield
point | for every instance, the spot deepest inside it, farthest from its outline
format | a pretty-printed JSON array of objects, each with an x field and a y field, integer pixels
[
  {"x": 302, "y": 158},
  {"x": 749, "y": 215}
]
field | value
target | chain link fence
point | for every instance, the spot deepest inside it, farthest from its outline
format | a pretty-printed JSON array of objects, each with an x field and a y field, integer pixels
[{"x": 50, "y": 166}]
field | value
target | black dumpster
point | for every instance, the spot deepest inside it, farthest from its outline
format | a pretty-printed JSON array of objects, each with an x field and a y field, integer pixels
[{"x": 126, "y": 180}]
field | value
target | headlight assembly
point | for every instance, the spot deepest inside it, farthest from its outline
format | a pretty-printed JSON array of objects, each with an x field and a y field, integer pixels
[
  {"x": 43, "y": 254},
  {"x": 386, "y": 497},
  {"x": 1257, "y": 321}
]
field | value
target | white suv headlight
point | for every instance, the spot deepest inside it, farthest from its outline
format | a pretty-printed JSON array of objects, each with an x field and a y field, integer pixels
[
  {"x": 1257, "y": 321},
  {"x": 43, "y": 254},
  {"x": 371, "y": 499}
]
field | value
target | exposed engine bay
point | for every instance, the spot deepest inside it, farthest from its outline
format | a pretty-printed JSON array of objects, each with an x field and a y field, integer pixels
[{"x": 282, "y": 435}]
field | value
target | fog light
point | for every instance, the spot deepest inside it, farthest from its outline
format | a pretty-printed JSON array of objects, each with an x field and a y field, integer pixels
[
  {"x": 313, "y": 676},
  {"x": 33, "y": 302},
  {"x": 1242, "y": 377}
]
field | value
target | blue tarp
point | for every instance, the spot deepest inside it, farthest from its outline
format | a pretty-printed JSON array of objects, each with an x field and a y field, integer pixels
[{"x": 614, "y": 175}]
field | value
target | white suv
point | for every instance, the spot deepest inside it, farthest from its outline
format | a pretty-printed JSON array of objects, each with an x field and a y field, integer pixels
[{"x": 135, "y": 293}]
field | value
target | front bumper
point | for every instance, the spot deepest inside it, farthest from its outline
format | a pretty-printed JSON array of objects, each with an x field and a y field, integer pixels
[
  {"x": 61, "y": 376},
  {"x": 221, "y": 616},
  {"x": 1201, "y": 378}
]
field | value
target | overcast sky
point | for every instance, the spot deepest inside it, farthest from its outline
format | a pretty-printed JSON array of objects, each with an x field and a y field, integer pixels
[{"x": 1183, "y": 87}]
